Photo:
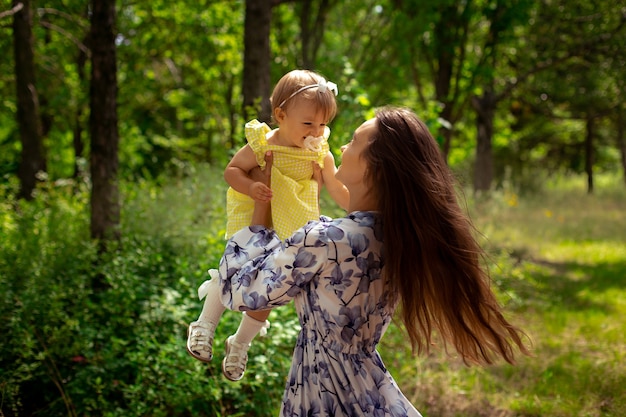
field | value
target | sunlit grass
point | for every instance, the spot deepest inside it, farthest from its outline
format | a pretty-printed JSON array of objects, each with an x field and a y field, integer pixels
[{"x": 558, "y": 261}]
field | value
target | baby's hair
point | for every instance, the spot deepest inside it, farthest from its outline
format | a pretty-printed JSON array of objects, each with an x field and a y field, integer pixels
[{"x": 283, "y": 94}]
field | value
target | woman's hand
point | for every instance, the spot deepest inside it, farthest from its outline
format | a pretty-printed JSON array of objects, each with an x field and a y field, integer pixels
[
  {"x": 317, "y": 177},
  {"x": 262, "y": 214}
]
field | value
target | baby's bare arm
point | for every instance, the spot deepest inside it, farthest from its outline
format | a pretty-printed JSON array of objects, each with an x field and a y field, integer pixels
[
  {"x": 335, "y": 188},
  {"x": 237, "y": 175}
]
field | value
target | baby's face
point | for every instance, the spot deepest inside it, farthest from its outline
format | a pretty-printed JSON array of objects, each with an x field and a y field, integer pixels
[{"x": 299, "y": 122}]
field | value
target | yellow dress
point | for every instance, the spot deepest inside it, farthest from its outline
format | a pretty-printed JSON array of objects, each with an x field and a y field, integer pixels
[{"x": 295, "y": 193}]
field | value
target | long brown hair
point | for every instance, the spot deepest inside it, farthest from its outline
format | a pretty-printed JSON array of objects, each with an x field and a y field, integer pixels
[{"x": 433, "y": 262}]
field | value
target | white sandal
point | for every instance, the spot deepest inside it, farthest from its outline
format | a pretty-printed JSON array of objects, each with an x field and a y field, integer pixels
[
  {"x": 200, "y": 340},
  {"x": 235, "y": 360}
]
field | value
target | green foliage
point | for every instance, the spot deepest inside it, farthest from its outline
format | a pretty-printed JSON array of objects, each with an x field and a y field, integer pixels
[
  {"x": 558, "y": 263},
  {"x": 84, "y": 334},
  {"x": 89, "y": 334},
  {"x": 181, "y": 105},
  {"x": 45, "y": 259},
  {"x": 180, "y": 70}
]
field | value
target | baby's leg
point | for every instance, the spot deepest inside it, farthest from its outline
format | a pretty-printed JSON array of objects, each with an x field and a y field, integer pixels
[
  {"x": 251, "y": 324},
  {"x": 212, "y": 308},
  {"x": 260, "y": 315},
  {"x": 201, "y": 332},
  {"x": 237, "y": 345}
]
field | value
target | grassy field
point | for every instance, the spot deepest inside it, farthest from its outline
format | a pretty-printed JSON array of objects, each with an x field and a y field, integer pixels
[{"x": 558, "y": 261}]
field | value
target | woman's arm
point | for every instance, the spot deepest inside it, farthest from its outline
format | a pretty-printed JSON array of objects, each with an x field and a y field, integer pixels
[
  {"x": 262, "y": 214},
  {"x": 237, "y": 175},
  {"x": 258, "y": 271},
  {"x": 335, "y": 188}
]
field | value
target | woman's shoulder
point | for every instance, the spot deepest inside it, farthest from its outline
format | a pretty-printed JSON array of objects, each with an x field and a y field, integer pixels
[
  {"x": 368, "y": 219},
  {"x": 358, "y": 222}
]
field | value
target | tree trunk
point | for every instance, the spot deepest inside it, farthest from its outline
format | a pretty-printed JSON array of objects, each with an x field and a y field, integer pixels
[
  {"x": 232, "y": 112},
  {"x": 46, "y": 114},
  {"x": 621, "y": 141},
  {"x": 445, "y": 41},
  {"x": 77, "y": 136},
  {"x": 446, "y": 132},
  {"x": 312, "y": 25},
  {"x": 28, "y": 118},
  {"x": 77, "y": 143},
  {"x": 589, "y": 157},
  {"x": 485, "y": 107},
  {"x": 306, "y": 35},
  {"x": 256, "y": 60},
  {"x": 105, "y": 205}
]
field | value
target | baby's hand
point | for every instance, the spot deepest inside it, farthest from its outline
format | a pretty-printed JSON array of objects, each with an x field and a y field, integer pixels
[
  {"x": 260, "y": 192},
  {"x": 317, "y": 175}
]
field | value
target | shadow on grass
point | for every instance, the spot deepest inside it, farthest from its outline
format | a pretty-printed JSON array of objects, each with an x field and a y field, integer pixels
[
  {"x": 575, "y": 310},
  {"x": 575, "y": 286}
]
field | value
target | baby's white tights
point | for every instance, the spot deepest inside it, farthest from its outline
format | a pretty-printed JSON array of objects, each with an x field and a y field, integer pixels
[
  {"x": 213, "y": 308},
  {"x": 249, "y": 328}
]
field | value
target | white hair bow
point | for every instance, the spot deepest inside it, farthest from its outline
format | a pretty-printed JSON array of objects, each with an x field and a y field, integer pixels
[{"x": 324, "y": 85}]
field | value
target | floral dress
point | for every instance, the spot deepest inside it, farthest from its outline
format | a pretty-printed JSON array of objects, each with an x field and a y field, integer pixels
[{"x": 332, "y": 271}]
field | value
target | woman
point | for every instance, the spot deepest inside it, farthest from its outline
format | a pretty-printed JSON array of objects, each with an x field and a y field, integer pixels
[{"x": 405, "y": 243}]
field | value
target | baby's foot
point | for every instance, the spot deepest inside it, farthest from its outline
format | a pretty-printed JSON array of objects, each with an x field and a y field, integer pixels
[
  {"x": 200, "y": 340},
  {"x": 235, "y": 360}
]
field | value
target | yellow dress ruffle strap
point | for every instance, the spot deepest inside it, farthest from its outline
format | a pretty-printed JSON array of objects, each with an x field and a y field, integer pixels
[{"x": 295, "y": 198}]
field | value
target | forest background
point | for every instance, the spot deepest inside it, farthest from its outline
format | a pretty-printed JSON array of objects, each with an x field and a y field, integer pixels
[{"x": 117, "y": 119}]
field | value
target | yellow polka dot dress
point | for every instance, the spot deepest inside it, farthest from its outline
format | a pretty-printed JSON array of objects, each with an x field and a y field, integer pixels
[{"x": 295, "y": 194}]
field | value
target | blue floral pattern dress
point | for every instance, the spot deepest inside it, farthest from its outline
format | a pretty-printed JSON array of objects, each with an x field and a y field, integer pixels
[{"x": 332, "y": 271}]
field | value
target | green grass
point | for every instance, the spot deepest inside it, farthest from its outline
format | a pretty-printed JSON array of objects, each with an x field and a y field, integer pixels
[{"x": 558, "y": 261}]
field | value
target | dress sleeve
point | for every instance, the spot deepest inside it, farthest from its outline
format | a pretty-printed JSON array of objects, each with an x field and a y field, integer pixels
[
  {"x": 258, "y": 271},
  {"x": 256, "y": 135}
]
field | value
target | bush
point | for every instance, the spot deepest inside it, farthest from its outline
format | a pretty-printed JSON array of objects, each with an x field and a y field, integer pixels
[{"x": 105, "y": 335}]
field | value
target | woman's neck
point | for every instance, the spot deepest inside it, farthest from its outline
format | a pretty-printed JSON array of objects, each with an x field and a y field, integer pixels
[{"x": 362, "y": 199}]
